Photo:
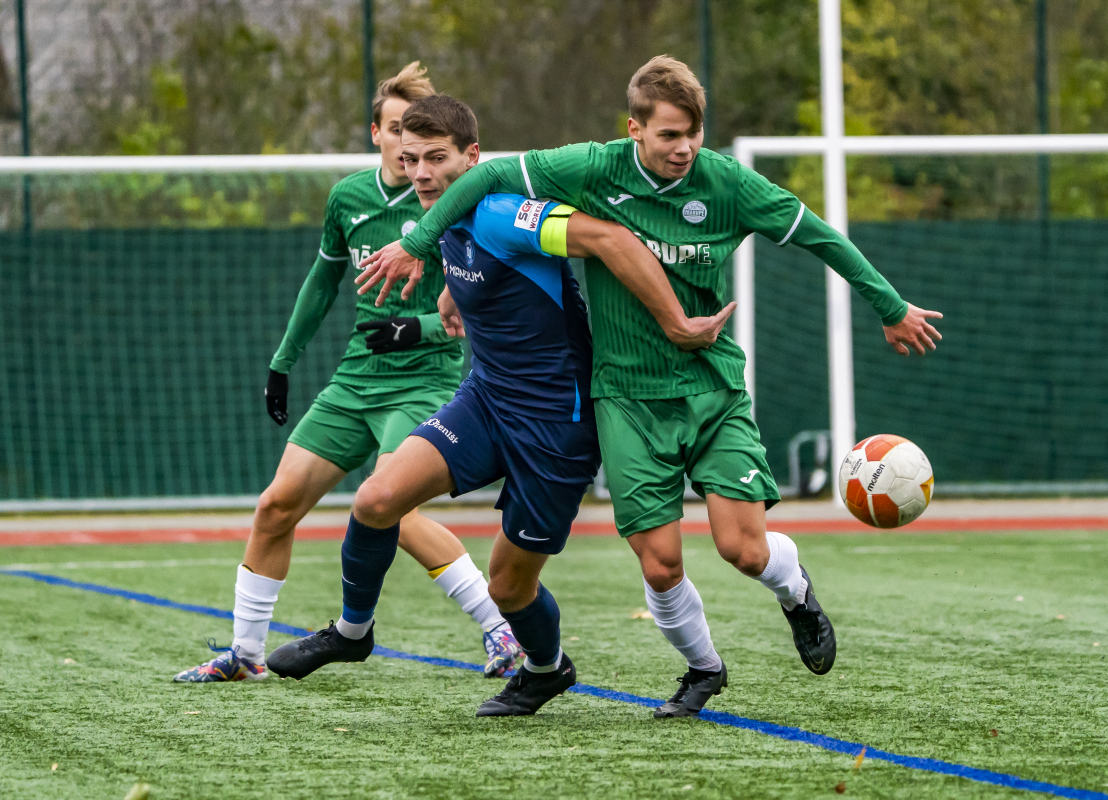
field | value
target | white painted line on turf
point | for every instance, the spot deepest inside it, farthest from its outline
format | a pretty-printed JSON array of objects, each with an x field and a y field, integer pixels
[
  {"x": 169, "y": 562},
  {"x": 892, "y": 549}
]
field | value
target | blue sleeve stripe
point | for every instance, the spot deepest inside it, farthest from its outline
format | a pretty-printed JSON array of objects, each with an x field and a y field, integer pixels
[{"x": 576, "y": 402}]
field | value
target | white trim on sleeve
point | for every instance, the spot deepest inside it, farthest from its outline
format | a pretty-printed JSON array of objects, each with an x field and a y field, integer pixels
[
  {"x": 792, "y": 230},
  {"x": 332, "y": 258},
  {"x": 526, "y": 176}
]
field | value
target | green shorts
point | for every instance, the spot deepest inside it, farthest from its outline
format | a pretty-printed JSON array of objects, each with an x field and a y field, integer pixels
[
  {"x": 347, "y": 424},
  {"x": 649, "y": 445}
]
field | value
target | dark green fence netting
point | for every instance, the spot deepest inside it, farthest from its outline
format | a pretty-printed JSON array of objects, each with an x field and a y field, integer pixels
[{"x": 132, "y": 361}]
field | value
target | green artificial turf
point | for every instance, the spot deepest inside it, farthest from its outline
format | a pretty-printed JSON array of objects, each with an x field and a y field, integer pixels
[{"x": 934, "y": 652}]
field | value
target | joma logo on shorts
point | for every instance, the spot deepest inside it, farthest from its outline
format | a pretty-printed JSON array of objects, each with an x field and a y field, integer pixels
[
  {"x": 679, "y": 253},
  {"x": 434, "y": 423},
  {"x": 465, "y": 274}
]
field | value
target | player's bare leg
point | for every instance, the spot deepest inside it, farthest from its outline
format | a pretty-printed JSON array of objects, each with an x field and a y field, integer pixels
[
  {"x": 678, "y": 612},
  {"x": 534, "y": 616},
  {"x": 302, "y": 479},
  {"x": 447, "y": 563},
  {"x": 741, "y": 538}
]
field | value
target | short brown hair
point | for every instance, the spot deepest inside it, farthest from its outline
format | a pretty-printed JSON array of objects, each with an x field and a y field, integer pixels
[
  {"x": 667, "y": 79},
  {"x": 410, "y": 84},
  {"x": 441, "y": 115}
]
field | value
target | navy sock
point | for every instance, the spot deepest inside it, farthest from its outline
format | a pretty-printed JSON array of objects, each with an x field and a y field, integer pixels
[
  {"x": 367, "y": 554},
  {"x": 536, "y": 628}
]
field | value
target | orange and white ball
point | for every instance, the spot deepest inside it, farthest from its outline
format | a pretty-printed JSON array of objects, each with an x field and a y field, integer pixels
[{"x": 886, "y": 481}]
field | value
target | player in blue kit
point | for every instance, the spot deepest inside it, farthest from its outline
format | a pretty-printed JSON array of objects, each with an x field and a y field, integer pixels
[{"x": 524, "y": 414}]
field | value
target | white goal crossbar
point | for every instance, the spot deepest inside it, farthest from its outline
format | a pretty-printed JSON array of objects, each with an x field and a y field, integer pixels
[{"x": 85, "y": 165}]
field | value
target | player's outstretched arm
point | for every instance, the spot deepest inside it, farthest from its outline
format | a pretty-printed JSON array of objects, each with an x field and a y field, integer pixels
[
  {"x": 554, "y": 174},
  {"x": 905, "y": 325},
  {"x": 636, "y": 268},
  {"x": 403, "y": 261}
]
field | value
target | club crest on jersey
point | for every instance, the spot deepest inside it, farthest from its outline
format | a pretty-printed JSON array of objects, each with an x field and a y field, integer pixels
[
  {"x": 469, "y": 253},
  {"x": 407, "y": 227},
  {"x": 694, "y": 212},
  {"x": 529, "y": 215}
]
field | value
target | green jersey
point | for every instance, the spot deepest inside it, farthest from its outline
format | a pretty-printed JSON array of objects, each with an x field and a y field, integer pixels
[
  {"x": 363, "y": 215},
  {"x": 692, "y": 225}
]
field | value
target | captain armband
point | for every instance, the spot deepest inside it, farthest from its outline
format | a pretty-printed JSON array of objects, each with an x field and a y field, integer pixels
[{"x": 554, "y": 233}]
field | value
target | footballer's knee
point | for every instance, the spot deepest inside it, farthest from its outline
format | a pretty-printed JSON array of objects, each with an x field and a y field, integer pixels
[
  {"x": 375, "y": 505},
  {"x": 278, "y": 512},
  {"x": 662, "y": 572},
  {"x": 511, "y": 593},
  {"x": 748, "y": 554}
]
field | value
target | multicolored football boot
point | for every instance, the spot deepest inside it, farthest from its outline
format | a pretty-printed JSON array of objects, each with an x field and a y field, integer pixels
[
  {"x": 503, "y": 650},
  {"x": 225, "y": 667}
]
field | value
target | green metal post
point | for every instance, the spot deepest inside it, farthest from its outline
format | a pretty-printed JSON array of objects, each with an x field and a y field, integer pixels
[
  {"x": 24, "y": 108},
  {"x": 1043, "y": 91},
  {"x": 706, "y": 66},
  {"x": 368, "y": 70}
]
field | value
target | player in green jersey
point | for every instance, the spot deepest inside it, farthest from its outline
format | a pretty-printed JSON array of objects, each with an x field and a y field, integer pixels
[
  {"x": 387, "y": 383},
  {"x": 662, "y": 412}
]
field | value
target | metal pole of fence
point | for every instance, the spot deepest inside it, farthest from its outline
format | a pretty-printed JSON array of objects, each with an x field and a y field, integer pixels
[
  {"x": 706, "y": 67},
  {"x": 1042, "y": 90},
  {"x": 24, "y": 109},
  {"x": 368, "y": 70}
]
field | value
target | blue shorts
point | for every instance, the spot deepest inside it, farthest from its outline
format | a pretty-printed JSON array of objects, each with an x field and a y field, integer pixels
[{"x": 546, "y": 466}]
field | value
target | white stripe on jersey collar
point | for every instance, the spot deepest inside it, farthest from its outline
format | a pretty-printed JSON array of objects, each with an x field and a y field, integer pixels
[
  {"x": 384, "y": 194},
  {"x": 635, "y": 148}
]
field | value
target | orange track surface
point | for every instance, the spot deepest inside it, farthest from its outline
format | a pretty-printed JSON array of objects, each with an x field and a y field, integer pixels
[{"x": 37, "y": 538}]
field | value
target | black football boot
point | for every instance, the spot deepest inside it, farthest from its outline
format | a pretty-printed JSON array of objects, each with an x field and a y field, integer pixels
[
  {"x": 812, "y": 632},
  {"x": 697, "y": 687},
  {"x": 302, "y": 657},
  {"x": 528, "y": 691}
]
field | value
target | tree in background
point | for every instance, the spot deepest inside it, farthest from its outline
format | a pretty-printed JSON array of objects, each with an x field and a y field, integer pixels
[{"x": 224, "y": 76}]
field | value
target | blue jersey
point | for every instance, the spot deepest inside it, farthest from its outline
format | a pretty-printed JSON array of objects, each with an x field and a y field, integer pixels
[{"x": 522, "y": 308}]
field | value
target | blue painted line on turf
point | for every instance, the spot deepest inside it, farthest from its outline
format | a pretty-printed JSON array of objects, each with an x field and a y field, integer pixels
[{"x": 718, "y": 717}]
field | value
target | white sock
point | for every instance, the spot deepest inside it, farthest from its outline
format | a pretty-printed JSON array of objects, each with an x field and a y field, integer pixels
[
  {"x": 353, "y": 630},
  {"x": 679, "y": 614},
  {"x": 551, "y": 667},
  {"x": 782, "y": 574},
  {"x": 466, "y": 586},
  {"x": 255, "y": 596}
]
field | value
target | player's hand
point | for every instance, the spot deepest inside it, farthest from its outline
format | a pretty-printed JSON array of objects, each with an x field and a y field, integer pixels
[
  {"x": 701, "y": 332},
  {"x": 391, "y": 264},
  {"x": 277, "y": 397},
  {"x": 392, "y": 334},
  {"x": 451, "y": 317},
  {"x": 914, "y": 331}
]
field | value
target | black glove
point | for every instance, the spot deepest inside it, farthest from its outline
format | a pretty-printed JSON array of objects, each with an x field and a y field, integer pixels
[
  {"x": 392, "y": 334},
  {"x": 277, "y": 397}
]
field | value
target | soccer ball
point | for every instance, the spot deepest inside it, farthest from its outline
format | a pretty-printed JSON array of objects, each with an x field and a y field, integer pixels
[{"x": 886, "y": 481}]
